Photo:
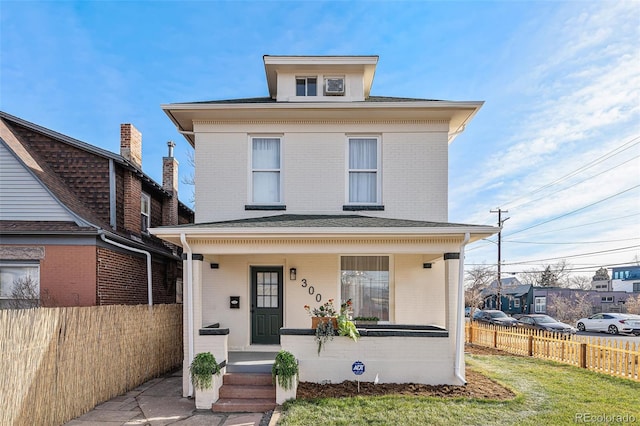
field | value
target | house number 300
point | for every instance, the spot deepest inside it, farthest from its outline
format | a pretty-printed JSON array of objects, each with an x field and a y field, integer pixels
[{"x": 311, "y": 290}]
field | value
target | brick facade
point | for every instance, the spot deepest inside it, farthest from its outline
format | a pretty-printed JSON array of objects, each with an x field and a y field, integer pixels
[
  {"x": 85, "y": 273},
  {"x": 122, "y": 279}
]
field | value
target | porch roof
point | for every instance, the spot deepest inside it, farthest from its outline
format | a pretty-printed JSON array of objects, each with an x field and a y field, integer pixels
[{"x": 319, "y": 226}]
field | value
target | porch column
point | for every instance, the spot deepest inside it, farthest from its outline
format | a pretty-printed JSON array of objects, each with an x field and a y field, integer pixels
[
  {"x": 191, "y": 290},
  {"x": 452, "y": 276}
]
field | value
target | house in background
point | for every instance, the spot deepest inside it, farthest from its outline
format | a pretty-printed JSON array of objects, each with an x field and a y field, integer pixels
[
  {"x": 598, "y": 301},
  {"x": 626, "y": 278},
  {"x": 515, "y": 297},
  {"x": 322, "y": 191},
  {"x": 74, "y": 221}
]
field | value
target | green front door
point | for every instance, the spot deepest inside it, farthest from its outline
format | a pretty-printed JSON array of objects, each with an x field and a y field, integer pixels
[{"x": 266, "y": 304}]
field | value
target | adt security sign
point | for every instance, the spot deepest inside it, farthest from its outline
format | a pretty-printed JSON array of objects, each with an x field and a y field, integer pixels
[{"x": 357, "y": 368}]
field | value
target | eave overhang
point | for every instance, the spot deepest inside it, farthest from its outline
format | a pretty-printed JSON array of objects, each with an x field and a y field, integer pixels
[
  {"x": 457, "y": 113},
  {"x": 258, "y": 240}
]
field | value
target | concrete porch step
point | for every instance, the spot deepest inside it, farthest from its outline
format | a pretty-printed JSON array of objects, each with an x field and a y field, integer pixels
[
  {"x": 238, "y": 405},
  {"x": 259, "y": 379},
  {"x": 247, "y": 391}
]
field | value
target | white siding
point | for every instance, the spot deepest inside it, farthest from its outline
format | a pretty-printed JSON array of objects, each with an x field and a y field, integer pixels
[{"x": 22, "y": 197}]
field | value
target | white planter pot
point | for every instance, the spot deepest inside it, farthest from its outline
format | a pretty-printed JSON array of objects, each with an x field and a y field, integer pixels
[
  {"x": 205, "y": 398},
  {"x": 282, "y": 395}
]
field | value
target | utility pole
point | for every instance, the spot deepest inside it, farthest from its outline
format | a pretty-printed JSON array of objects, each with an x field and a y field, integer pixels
[{"x": 500, "y": 222}]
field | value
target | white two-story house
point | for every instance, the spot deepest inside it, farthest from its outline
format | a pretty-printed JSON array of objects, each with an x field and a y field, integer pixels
[{"x": 321, "y": 191}]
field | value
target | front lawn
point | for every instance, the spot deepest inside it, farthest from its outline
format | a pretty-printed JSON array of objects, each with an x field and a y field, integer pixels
[{"x": 547, "y": 393}]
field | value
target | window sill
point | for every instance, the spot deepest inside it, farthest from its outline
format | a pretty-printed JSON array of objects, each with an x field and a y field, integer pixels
[
  {"x": 362, "y": 207},
  {"x": 265, "y": 207}
]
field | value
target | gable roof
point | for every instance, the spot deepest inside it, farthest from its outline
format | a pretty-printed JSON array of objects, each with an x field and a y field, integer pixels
[{"x": 8, "y": 119}]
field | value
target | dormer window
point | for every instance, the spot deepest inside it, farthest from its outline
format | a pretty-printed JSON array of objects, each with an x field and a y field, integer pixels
[
  {"x": 306, "y": 86},
  {"x": 334, "y": 86}
]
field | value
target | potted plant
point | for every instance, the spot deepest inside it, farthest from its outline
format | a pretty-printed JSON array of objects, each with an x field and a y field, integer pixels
[
  {"x": 324, "y": 320},
  {"x": 202, "y": 370},
  {"x": 285, "y": 376}
]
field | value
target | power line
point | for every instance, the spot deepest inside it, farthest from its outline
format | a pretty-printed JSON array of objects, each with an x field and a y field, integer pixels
[
  {"x": 574, "y": 211},
  {"x": 570, "y": 243},
  {"x": 602, "y": 158},
  {"x": 574, "y": 255},
  {"x": 584, "y": 224},
  {"x": 574, "y": 184}
]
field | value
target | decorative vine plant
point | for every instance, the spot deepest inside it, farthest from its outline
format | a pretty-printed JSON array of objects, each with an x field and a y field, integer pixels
[{"x": 284, "y": 369}]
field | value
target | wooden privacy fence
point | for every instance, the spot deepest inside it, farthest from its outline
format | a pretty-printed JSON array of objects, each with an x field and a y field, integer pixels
[
  {"x": 58, "y": 363},
  {"x": 616, "y": 358}
]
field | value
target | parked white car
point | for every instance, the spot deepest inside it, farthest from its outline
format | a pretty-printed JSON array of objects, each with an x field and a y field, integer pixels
[{"x": 612, "y": 323}]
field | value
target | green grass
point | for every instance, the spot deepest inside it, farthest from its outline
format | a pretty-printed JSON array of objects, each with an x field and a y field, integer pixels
[{"x": 548, "y": 393}]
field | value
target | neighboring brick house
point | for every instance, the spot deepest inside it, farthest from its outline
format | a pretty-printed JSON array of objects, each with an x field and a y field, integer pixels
[
  {"x": 74, "y": 220},
  {"x": 321, "y": 191}
]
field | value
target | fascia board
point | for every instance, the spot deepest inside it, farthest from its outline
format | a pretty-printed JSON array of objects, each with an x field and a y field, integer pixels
[{"x": 260, "y": 232}]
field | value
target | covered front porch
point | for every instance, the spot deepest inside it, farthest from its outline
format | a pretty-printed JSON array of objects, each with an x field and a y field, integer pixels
[{"x": 253, "y": 278}]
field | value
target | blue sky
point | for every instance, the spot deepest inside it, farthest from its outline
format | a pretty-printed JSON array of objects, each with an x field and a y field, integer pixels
[{"x": 557, "y": 143}]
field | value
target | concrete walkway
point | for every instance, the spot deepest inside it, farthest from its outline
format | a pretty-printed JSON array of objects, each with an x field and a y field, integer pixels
[{"x": 159, "y": 402}]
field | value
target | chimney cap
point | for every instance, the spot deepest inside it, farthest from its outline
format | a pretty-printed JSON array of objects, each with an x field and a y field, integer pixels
[{"x": 171, "y": 145}]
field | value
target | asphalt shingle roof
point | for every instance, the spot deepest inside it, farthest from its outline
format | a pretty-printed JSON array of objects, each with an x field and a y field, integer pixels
[
  {"x": 268, "y": 100},
  {"x": 325, "y": 221}
]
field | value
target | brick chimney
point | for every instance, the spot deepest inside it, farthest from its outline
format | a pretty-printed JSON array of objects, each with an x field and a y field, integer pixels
[
  {"x": 131, "y": 149},
  {"x": 170, "y": 184},
  {"x": 131, "y": 144}
]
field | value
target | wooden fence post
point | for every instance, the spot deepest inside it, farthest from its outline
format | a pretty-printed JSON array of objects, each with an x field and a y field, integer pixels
[
  {"x": 530, "y": 345},
  {"x": 495, "y": 337},
  {"x": 583, "y": 355}
]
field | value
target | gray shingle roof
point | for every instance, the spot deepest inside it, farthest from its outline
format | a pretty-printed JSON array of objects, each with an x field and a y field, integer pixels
[
  {"x": 268, "y": 100},
  {"x": 324, "y": 221}
]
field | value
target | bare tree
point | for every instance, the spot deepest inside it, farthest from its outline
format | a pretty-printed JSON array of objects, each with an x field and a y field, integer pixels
[
  {"x": 569, "y": 309},
  {"x": 632, "y": 304},
  {"x": 191, "y": 178},
  {"x": 556, "y": 275},
  {"x": 25, "y": 293},
  {"x": 477, "y": 279},
  {"x": 581, "y": 282}
]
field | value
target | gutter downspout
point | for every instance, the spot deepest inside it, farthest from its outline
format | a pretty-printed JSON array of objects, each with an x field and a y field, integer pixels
[
  {"x": 460, "y": 323},
  {"x": 185, "y": 245},
  {"x": 133, "y": 249}
]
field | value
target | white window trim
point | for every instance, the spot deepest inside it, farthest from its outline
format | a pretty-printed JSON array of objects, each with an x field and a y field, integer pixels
[
  {"x": 147, "y": 197},
  {"x": 535, "y": 304},
  {"x": 516, "y": 303},
  {"x": 378, "y": 170},
  {"x": 251, "y": 170},
  {"x": 306, "y": 86}
]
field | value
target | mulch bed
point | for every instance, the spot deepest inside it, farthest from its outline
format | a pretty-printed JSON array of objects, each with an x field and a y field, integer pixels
[{"x": 478, "y": 386}]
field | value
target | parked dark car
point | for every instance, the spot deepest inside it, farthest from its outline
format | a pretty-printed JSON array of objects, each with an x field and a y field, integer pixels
[
  {"x": 546, "y": 323},
  {"x": 494, "y": 317}
]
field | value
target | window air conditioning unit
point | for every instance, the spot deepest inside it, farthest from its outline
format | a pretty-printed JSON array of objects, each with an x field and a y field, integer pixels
[{"x": 334, "y": 86}]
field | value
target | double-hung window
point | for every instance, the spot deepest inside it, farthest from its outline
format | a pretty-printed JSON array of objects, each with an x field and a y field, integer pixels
[
  {"x": 365, "y": 280},
  {"x": 364, "y": 170},
  {"x": 540, "y": 305},
  {"x": 306, "y": 86},
  {"x": 145, "y": 212},
  {"x": 266, "y": 170}
]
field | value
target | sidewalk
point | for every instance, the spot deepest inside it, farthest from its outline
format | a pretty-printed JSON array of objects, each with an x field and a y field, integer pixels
[{"x": 159, "y": 402}]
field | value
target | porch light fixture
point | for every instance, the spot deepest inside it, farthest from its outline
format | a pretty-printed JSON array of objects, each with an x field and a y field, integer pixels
[
  {"x": 215, "y": 266},
  {"x": 426, "y": 265},
  {"x": 292, "y": 274}
]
